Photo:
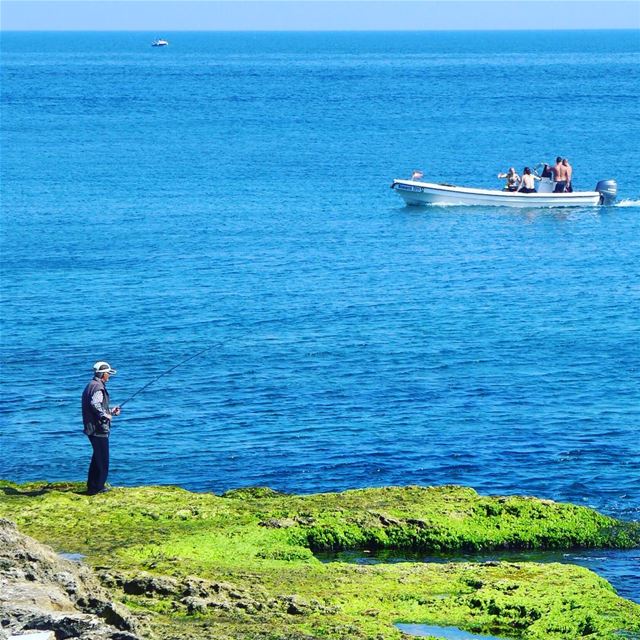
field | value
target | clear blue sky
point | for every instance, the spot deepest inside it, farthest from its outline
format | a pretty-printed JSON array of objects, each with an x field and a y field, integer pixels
[{"x": 320, "y": 15}]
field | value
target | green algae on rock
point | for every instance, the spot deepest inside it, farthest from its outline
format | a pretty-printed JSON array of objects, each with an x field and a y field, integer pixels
[{"x": 242, "y": 565}]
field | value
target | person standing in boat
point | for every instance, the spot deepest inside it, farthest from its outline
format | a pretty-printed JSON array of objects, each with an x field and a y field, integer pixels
[
  {"x": 569, "y": 175},
  {"x": 560, "y": 176},
  {"x": 527, "y": 184},
  {"x": 96, "y": 418},
  {"x": 513, "y": 179}
]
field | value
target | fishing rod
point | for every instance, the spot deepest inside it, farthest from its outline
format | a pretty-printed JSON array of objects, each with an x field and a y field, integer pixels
[{"x": 168, "y": 371}]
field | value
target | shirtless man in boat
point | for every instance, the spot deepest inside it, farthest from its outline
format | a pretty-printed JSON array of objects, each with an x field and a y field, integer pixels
[
  {"x": 527, "y": 184},
  {"x": 560, "y": 176},
  {"x": 569, "y": 169}
]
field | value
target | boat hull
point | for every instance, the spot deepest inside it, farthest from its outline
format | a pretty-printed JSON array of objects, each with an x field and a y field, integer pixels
[{"x": 425, "y": 193}]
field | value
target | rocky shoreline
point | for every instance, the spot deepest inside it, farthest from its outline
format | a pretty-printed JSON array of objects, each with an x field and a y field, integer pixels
[
  {"x": 164, "y": 563},
  {"x": 39, "y": 591}
]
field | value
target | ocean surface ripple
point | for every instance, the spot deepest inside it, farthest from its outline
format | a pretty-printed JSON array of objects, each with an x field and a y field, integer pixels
[{"x": 232, "y": 190}]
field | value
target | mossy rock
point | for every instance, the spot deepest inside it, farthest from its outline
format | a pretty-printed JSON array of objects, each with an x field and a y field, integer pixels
[{"x": 242, "y": 565}]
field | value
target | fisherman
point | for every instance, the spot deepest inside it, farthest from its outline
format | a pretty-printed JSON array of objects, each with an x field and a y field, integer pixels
[
  {"x": 96, "y": 417},
  {"x": 513, "y": 179}
]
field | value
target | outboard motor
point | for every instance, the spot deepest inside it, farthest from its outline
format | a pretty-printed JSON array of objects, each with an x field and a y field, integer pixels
[{"x": 608, "y": 190}]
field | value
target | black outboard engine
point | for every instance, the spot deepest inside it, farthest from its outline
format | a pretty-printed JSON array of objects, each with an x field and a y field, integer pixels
[{"x": 608, "y": 190}]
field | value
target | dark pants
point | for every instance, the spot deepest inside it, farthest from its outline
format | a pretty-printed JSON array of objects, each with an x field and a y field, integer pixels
[
  {"x": 99, "y": 467},
  {"x": 560, "y": 186}
]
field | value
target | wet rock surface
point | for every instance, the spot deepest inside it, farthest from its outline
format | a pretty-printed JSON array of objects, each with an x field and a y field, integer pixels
[
  {"x": 40, "y": 591},
  {"x": 193, "y": 595}
]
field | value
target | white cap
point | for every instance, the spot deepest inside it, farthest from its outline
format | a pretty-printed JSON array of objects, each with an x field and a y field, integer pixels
[{"x": 103, "y": 367}]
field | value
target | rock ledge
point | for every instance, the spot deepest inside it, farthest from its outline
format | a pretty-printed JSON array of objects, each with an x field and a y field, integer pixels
[{"x": 42, "y": 592}]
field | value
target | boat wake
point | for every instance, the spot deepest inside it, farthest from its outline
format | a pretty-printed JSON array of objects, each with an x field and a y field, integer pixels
[{"x": 627, "y": 202}]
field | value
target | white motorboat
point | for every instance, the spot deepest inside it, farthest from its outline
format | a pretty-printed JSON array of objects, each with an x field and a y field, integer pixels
[
  {"x": 159, "y": 42},
  {"x": 416, "y": 192}
]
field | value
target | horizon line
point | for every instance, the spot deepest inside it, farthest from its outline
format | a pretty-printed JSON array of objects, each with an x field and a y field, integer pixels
[{"x": 460, "y": 30}]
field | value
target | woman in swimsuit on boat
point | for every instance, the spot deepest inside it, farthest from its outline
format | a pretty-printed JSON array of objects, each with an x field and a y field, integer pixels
[{"x": 513, "y": 179}]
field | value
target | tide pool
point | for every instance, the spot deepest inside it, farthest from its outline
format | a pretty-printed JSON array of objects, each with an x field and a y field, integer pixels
[{"x": 447, "y": 633}]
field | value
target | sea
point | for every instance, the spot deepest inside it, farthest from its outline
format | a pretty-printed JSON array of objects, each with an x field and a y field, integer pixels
[{"x": 214, "y": 219}]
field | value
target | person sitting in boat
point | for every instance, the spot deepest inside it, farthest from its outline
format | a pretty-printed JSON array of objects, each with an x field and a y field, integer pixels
[
  {"x": 513, "y": 179},
  {"x": 527, "y": 184}
]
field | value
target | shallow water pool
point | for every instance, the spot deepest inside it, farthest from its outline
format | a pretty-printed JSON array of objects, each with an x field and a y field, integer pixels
[
  {"x": 618, "y": 566},
  {"x": 446, "y": 633}
]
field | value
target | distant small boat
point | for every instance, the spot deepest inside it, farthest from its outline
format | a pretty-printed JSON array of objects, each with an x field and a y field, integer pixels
[
  {"x": 416, "y": 192},
  {"x": 158, "y": 42}
]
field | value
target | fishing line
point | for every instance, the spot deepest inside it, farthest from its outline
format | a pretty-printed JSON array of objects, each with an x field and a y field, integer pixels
[
  {"x": 175, "y": 366},
  {"x": 168, "y": 371}
]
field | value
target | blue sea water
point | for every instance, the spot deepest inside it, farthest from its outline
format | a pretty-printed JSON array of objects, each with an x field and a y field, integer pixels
[{"x": 231, "y": 191}]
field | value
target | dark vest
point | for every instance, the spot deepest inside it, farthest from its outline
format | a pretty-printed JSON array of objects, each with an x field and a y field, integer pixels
[{"x": 94, "y": 425}]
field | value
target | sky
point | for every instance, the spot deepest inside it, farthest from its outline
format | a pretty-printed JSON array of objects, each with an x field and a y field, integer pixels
[{"x": 315, "y": 15}]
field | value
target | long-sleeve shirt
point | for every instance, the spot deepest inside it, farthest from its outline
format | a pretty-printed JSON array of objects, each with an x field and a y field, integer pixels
[{"x": 97, "y": 400}]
